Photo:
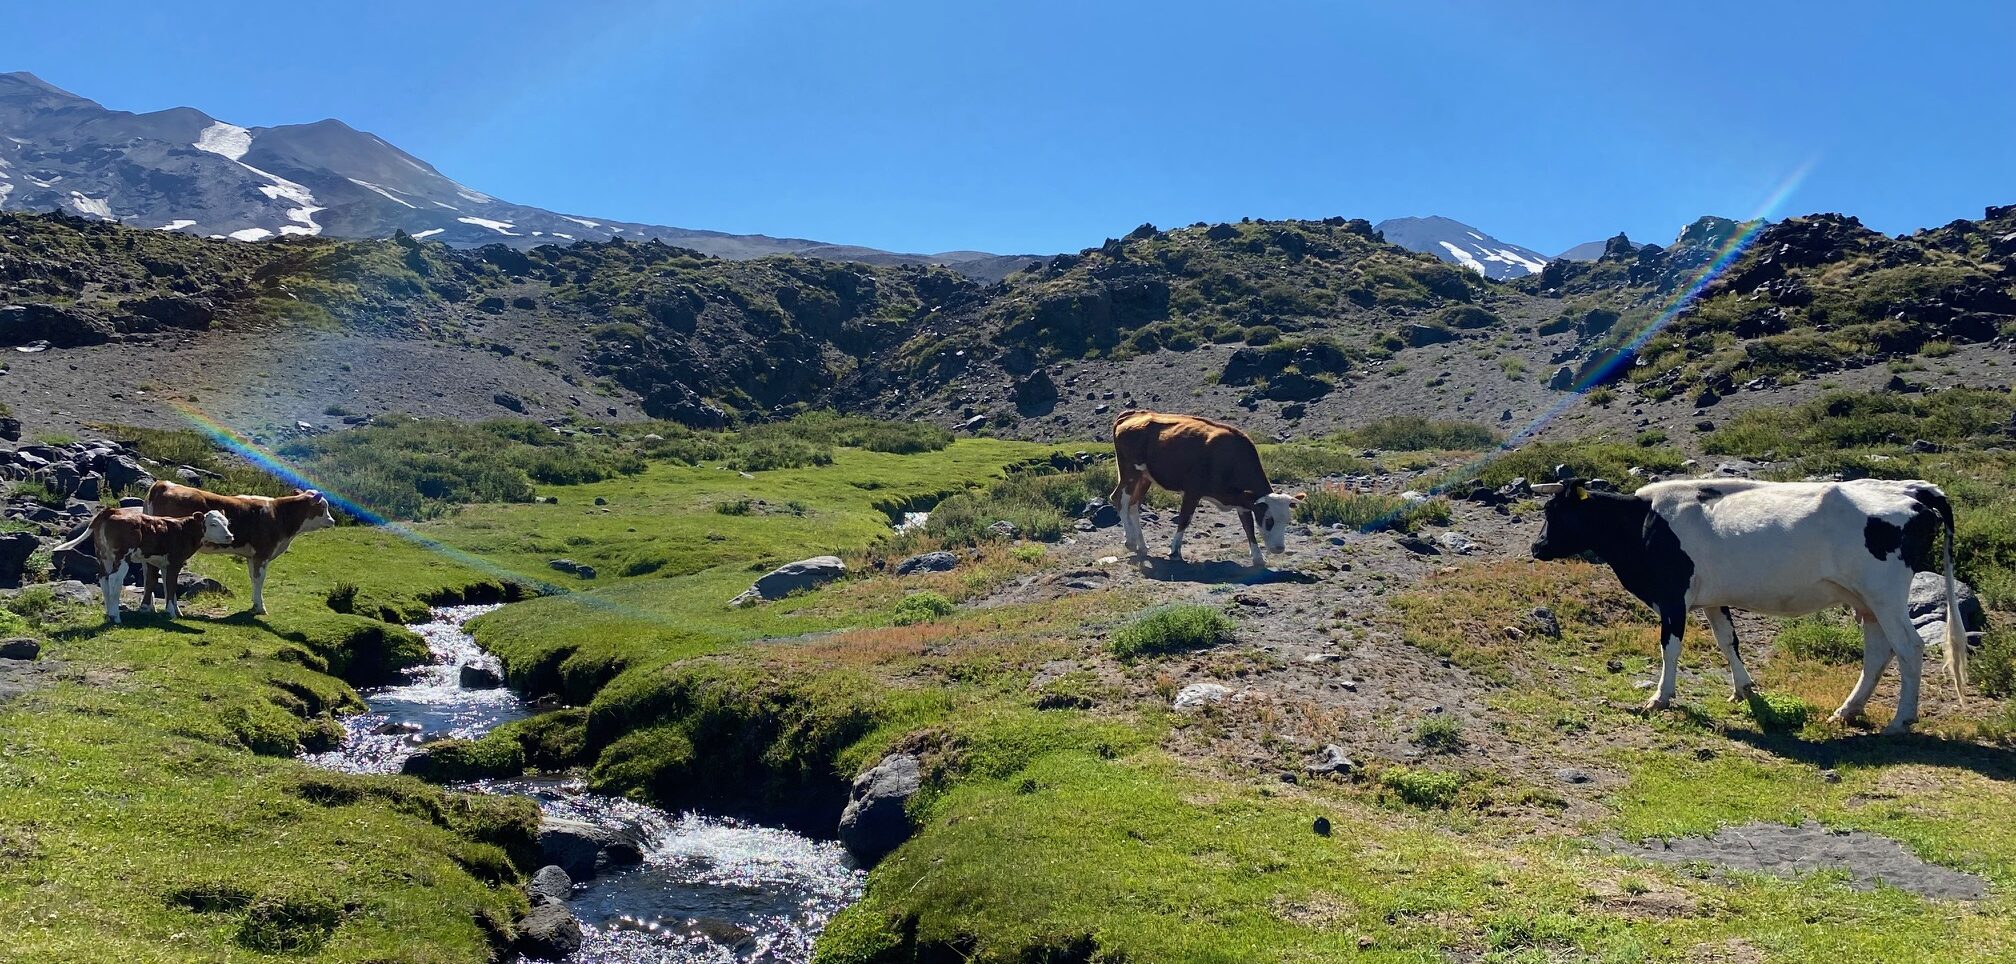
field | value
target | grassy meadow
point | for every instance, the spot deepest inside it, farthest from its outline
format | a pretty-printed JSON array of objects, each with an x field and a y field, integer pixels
[{"x": 150, "y": 807}]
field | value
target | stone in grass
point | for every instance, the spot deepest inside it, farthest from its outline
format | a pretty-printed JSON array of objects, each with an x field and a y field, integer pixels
[
  {"x": 20, "y": 647},
  {"x": 1201, "y": 694},
  {"x": 571, "y": 567},
  {"x": 1333, "y": 760},
  {"x": 792, "y": 577},
  {"x": 876, "y": 821},
  {"x": 939, "y": 561}
]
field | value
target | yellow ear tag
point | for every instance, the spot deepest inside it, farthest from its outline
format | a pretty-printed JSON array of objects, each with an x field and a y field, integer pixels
[{"x": 1581, "y": 493}]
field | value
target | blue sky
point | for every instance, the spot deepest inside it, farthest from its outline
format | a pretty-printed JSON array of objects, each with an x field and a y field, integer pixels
[{"x": 1040, "y": 126}]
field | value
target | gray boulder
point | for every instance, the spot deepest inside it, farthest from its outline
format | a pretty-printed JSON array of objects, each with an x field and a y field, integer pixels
[
  {"x": 1928, "y": 602},
  {"x": 792, "y": 577},
  {"x": 1563, "y": 379},
  {"x": 581, "y": 848},
  {"x": 548, "y": 933},
  {"x": 875, "y": 821},
  {"x": 940, "y": 561},
  {"x": 571, "y": 567},
  {"x": 550, "y": 885}
]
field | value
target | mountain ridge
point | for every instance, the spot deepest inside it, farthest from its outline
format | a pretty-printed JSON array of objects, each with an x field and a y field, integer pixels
[
  {"x": 1460, "y": 244},
  {"x": 181, "y": 169}
]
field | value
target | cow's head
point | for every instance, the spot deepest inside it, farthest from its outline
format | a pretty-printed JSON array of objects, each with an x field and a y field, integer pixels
[
  {"x": 318, "y": 516},
  {"x": 217, "y": 529},
  {"x": 1272, "y": 513},
  {"x": 1573, "y": 522}
]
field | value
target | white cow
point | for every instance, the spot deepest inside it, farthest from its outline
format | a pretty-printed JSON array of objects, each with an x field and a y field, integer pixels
[{"x": 1786, "y": 548}]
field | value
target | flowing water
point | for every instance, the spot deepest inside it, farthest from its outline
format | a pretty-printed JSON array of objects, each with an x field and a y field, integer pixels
[{"x": 709, "y": 889}]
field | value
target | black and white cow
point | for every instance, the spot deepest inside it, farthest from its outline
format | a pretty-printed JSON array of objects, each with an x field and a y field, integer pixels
[{"x": 1785, "y": 548}]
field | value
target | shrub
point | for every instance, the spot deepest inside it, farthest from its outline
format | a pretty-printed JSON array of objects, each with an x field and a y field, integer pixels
[
  {"x": 1993, "y": 667},
  {"x": 1422, "y": 788},
  {"x": 1601, "y": 396},
  {"x": 1172, "y": 629},
  {"x": 922, "y": 607},
  {"x": 1650, "y": 437},
  {"x": 1305, "y": 461},
  {"x": 1262, "y": 335},
  {"x": 742, "y": 506},
  {"x": 1780, "y": 713},
  {"x": 1369, "y": 512},
  {"x": 1440, "y": 733}
]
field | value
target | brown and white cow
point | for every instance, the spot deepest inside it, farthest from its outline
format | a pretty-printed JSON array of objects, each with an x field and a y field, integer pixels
[
  {"x": 120, "y": 536},
  {"x": 261, "y": 528},
  {"x": 1205, "y": 461}
]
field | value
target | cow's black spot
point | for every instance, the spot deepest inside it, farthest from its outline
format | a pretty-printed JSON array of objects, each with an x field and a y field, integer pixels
[
  {"x": 1882, "y": 538},
  {"x": 1707, "y": 495},
  {"x": 1735, "y": 643}
]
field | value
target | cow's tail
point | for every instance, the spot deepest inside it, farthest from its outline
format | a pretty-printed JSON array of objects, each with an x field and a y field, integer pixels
[
  {"x": 90, "y": 529},
  {"x": 1956, "y": 630}
]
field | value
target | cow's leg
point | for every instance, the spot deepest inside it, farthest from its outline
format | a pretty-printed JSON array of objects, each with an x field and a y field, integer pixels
[
  {"x": 256, "y": 567},
  {"x": 171, "y": 578},
  {"x": 1183, "y": 515},
  {"x": 1133, "y": 493},
  {"x": 146, "y": 588},
  {"x": 114, "y": 582},
  {"x": 1910, "y": 650},
  {"x": 1252, "y": 544},
  {"x": 1875, "y": 655},
  {"x": 1725, "y": 639},
  {"x": 1672, "y": 625}
]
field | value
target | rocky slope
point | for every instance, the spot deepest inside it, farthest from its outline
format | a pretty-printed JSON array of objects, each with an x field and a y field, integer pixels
[
  {"x": 183, "y": 170},
  {"x": 1294, "y": 327}
]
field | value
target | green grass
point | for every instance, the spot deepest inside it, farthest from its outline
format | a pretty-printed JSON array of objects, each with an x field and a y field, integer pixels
[
  {"x": 1369, "y": 511},
  {"x": 1171, "y": 630}
]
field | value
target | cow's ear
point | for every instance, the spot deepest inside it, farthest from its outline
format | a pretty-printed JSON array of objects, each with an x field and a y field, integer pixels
[{"x": 1299, "y": 496}]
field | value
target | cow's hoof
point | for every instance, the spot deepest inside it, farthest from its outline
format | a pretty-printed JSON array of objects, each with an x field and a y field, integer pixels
[
  {"x": 1743, "y": 694},
  {"x": 1898, "y": 727},
  {"x": 258, "y": 610},
  {"x": 146, "y": 607},
  {"x": 1658, "y": 703},
  {"x": 1845, "y": 717}
]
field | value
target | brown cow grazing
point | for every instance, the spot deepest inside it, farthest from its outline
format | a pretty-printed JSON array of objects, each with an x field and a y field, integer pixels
[
  {"x": 1205, "y": 461},
  {"x": 262, "y": 527},
  {"x": 119, "y": 536}
]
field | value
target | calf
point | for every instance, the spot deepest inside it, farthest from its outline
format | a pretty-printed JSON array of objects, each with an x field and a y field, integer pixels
[
  {"x": 1786, "y": 548},
  {"x": 119, "y": 536},
  {"x": 1205, "y": 461},
  {"x": 262, "y": 527}
]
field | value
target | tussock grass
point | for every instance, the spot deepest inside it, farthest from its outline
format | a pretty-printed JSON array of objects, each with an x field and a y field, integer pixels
[
  {"x": 1369, "y": 511},
  {"x": 1172, "y": 629}
]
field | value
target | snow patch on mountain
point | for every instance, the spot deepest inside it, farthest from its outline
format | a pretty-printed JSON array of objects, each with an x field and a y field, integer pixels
[
  {"x": 249, "y": 234},
  {"x": 91, "y": 205},
  {"x": 1465, "y": 258},
  {"x": 176, "y": 225},
  {"x": 584, "y": 222},
  {"x": 1464, "y": 246},
  {"x": 501, "y": 227},
  {"x": 430, "y": 232},
  {"x": 388, "y": 195},
  {"x": 229, "y": 140}
]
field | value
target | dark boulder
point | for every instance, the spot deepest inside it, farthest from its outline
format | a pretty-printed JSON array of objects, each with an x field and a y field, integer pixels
[
  {"x": 939, "y": 561},
  {"x": 475, "y": 676},
  {"x": 1418, "y": 335},
  {"x": 169, "y": 311},
  {"x": 15, "y": 548},
  {"x": 510, "y": 401},
  {"x": 60, "y": 327},
  {"x": 1035, "y": 394},
  {"x": 20, "y": 647},
  {"x": 1296, "y": 387},
  {"x": 675, "y": 402},
  {"x": 548, "y": 933},
  {"x": 875, "y": 821},
  {"x": 583, "y": 849}
]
